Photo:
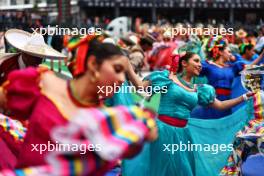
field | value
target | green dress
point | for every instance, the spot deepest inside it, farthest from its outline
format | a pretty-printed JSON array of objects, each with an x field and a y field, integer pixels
[{"x": 200, "y": 148}]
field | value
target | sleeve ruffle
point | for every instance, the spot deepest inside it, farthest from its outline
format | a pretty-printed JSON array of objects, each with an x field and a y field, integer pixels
[
  {"x": 206, "y": 94},
  {"x": 159, "y": 78},
  {"x": 21, "y": 91}
]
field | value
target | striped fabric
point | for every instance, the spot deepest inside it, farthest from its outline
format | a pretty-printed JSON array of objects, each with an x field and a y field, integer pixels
[
  {"x": 13, "y": 127},
  {"x": 258, "y": 105},
  {"x": 116, "y": 131},
  {"x": 33, "y": 171},
  {"x": 73, "y": 42},
  {"x": 247, "y": 139}
]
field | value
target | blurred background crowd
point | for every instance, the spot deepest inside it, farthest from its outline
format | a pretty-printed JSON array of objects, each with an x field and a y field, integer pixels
[
  {"x": 142, "y": 30},
  {"x": 143, "y": 17}
]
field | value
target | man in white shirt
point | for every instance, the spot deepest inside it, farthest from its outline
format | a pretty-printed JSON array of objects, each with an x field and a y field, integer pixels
[{"x": 260, "y": 40}]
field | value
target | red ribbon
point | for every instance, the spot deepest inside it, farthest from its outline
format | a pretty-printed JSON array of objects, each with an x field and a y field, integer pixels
[
  {"x": 80, "y": 64},
  {"x": 82, "y": 50},
  {"x": 215, "y": 52}
]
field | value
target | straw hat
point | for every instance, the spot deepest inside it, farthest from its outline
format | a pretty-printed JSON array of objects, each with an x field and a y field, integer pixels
[
  {"x": 134, "y": 39},
  {"x": 109, "y": 40},
  {"x": 241, "y": 33},
  {"x": 148, "y": 38},
  {"x": 127, "y": 41},
  {"x": 32, "y": 44}
]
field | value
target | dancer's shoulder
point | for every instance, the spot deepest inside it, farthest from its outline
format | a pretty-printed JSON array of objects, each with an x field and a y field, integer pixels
[{"x": 206, "y": 94}]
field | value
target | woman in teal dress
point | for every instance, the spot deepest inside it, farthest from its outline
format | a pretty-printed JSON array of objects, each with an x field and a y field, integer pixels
[{"x": 187, "y": 146}]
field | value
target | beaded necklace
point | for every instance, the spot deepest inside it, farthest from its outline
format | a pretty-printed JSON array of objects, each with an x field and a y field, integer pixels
[{"x": 185, "y": 83}]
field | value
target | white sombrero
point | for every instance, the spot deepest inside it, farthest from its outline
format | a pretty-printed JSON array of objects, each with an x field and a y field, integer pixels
[{"x": 32, "y": 44}]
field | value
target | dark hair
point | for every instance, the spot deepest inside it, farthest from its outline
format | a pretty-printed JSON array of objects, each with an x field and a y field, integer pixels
[
  {"x": 186, "y": 58},
  {"x": 214, "y": 45},
  {"x": 103, "y": 51},
  {"x": 245, "y": 47},
  {"x": 215, "y": 55}
]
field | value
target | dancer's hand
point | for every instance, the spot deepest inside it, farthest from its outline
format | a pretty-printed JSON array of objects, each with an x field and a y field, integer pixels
[
  {"x": 247, "y": 95},
  {"x": 134, "y": 78},
  {"x": 130, "y": 67},
  {"x": 227, "y": 104}
]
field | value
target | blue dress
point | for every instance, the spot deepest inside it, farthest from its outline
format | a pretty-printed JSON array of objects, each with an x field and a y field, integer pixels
[
  {"x": 222, "y": 80},
  {"x": 156, "y": 160}
]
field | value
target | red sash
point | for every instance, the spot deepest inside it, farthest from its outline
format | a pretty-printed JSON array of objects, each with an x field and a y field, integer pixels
[
  {"x": 173, "y": 121},
  {"x": 222, "y": 91}
]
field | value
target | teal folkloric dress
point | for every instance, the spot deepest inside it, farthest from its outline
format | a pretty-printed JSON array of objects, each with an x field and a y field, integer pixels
[
  {"x": 121, "y": 98},
  {"x": 208, "y": 142}
]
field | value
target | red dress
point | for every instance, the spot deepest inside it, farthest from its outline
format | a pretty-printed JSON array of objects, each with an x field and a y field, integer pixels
[{"x": 26, "y": 102}]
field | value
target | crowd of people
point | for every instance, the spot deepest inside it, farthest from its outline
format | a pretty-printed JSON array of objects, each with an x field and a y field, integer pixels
[{"x": 200, "y": 122}]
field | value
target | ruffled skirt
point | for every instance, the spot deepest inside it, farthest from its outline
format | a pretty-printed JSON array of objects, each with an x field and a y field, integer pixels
[{"x": 201, "y": 148}]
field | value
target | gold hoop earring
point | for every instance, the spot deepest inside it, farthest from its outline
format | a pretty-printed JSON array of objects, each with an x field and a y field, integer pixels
[{"x": 95, "y": 77}]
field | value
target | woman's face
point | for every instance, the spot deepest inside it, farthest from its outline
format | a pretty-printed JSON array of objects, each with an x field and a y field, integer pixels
[
  {"x": 226, "y": 54},
  {"x": 111, "y": 75},
  {"x": 250, "y": 53},
  {"x": 193, "y": 67}
]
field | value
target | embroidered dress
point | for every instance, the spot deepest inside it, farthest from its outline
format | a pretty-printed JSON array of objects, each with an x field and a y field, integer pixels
[
  {"x": 26, "y": 101},
  {"x": 114, "y": 132},
  {"x": 121, "y": 97},
  {"x": 12, "y": 136},
  {"x": 249, "y": 143}
]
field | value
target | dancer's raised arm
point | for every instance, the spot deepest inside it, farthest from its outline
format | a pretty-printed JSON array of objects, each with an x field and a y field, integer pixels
[
  {"x": 256, "y": 61},
  {"x": 138, "y": 83},
  {"x": 227, "y": 104},
  {"x": 135, "y": 79}
]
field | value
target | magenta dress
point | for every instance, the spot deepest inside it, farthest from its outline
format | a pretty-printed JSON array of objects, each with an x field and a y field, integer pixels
[{"x": 26, "y": 101}]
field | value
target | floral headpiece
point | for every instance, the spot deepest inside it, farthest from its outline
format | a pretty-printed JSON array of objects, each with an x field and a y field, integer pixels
[
  {"x": 81, "y": 45},
  {"x": 243, "y": 46},
  {"x": 214, "y": 44}
]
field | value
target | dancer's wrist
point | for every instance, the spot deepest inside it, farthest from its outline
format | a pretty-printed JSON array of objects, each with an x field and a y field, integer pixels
[{"x": 244, "y": 96}]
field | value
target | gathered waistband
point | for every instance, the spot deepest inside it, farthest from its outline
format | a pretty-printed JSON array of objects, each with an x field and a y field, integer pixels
[
  {"x": 223, "y": 91},
  {"x": 173, "y": 121}
]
